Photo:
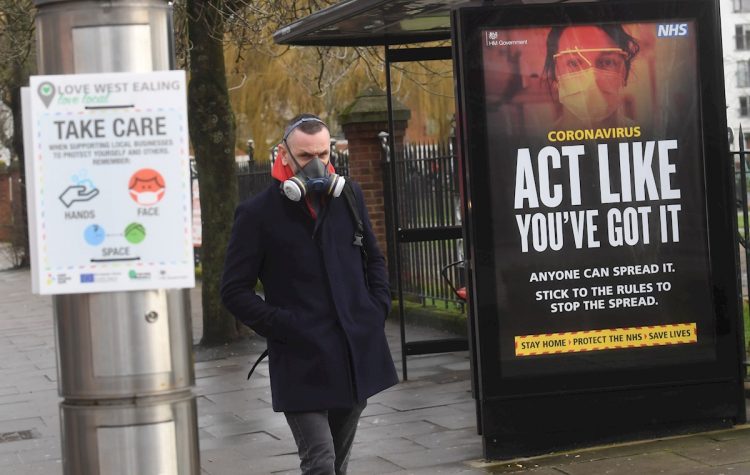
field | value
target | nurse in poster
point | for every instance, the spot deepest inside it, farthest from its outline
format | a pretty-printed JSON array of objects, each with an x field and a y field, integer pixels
[{"x": 596, "y": 158}]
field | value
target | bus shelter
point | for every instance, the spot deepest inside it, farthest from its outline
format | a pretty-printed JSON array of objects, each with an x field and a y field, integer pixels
[{"x": 599, "y": 210}]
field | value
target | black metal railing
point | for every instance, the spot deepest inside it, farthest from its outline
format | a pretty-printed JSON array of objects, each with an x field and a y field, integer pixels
[
  {"x": 253, "y": 177},
  {"x": 740, "y": 162},
  {"x": 429, "y": 221}
]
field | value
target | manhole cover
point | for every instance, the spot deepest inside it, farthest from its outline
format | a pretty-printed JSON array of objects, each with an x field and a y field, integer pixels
[{"x": 16, "y": 436}]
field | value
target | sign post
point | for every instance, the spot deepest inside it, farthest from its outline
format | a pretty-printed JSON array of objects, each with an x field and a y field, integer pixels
[
  {"x": 109, "y": 212},
  {"x": 605, "y": 293}
]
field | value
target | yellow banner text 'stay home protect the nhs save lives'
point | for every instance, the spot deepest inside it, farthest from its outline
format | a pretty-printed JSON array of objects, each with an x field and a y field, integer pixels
[{"x": 607, "y": 339}]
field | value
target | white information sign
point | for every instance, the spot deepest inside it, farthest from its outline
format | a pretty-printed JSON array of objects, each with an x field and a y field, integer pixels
[{"x": 110, "y": 201}]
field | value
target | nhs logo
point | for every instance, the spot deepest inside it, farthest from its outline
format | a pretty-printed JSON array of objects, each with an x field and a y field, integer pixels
[{"x": 671, "y": 29}]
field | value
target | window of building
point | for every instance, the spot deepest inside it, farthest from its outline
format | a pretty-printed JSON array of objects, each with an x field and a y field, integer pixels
[
  {"x": 742, "y": 37},
  {"x": 743, "y": 73},
  {"x": 741, "y": 5},
  {"x": 744, "y": 106}
]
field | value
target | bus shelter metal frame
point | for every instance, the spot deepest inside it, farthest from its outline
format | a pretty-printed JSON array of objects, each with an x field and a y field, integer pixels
[{"x": 401, "y": 235}]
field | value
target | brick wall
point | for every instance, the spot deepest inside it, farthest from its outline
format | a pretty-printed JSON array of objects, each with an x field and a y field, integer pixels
[
  {"x": 9, "y": 200},
  {"x": 366, "y": 167}
]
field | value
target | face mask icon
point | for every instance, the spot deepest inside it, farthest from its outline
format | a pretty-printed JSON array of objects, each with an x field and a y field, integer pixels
[{"x": 146, "y": 187}]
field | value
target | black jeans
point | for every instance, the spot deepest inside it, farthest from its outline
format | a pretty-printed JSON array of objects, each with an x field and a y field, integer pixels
[{"x": 324, "y": 438}]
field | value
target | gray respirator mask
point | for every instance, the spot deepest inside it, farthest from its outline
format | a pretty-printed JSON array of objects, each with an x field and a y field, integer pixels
[{"x": 314, "y": 176}]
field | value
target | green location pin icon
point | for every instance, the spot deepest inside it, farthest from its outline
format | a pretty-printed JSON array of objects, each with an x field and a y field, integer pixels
[{"x": 46, "y": 92}]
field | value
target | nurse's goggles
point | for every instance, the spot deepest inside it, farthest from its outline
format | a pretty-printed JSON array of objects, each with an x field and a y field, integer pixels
[{"x": 578, "y": 59}]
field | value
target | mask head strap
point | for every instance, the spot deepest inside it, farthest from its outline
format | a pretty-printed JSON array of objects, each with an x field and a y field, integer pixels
[{"x": 290, "y": 128}]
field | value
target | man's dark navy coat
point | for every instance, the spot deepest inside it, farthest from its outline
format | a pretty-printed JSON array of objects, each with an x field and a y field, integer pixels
[{"x": 324, "y": 327}]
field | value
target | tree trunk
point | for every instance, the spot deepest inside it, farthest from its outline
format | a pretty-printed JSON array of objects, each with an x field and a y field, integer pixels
[
  {"x": 212, "y": 131},
  {"x": 17, "y": 63},
  {"x": 20, "y": 234}
]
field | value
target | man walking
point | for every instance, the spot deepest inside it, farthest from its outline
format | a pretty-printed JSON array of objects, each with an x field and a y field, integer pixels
[{"x": 326, "y": 295}]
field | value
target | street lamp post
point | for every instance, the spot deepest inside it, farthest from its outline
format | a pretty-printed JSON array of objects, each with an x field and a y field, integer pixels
[{"x": 124, "y": 358}]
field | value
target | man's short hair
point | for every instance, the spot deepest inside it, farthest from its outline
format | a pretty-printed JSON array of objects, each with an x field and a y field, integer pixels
[{"x": 307, "y": 123}]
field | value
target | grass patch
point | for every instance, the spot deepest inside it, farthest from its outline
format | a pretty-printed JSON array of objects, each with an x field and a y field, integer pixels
[{"x": 452, "y": 320}]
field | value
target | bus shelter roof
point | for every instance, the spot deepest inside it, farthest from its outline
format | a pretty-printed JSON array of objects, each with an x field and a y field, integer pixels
[
  {"x": 372, "y": 22},
  {"x": 381, "y": 22}
]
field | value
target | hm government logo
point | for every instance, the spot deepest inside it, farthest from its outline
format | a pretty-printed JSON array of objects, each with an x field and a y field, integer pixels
[
  {"x": 46, "y": 91},
  {"x": 493, "y": 39}
]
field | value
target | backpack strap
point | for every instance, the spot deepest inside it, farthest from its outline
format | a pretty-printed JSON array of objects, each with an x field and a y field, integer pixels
[
  {"x": 359, "y": 229},
  {"x": 260, "y": 358}
]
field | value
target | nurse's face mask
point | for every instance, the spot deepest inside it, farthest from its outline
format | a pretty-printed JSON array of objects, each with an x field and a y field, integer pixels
[
  {"x": 314, "y": 176},
  {"x": 590, "y": 81}
]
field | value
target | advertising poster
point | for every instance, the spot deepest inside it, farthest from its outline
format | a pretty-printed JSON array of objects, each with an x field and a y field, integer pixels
[
  {"x": 110, "y": 196},
  {"x": 596, "y": 169}
]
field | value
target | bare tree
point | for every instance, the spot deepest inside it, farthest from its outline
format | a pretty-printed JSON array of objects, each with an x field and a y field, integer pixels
[
  {"x": 231, "y": 40},
  {"x": 16, "y": 64},
  {"x": 212, "y": 133}
]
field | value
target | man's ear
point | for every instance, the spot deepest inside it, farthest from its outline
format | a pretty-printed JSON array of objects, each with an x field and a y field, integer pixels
[{"x": 283, "y": 155}]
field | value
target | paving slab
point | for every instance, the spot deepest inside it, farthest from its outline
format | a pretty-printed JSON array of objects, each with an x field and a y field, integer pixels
[
  {"x": 730, "y": 469},
  {"x": 50, "y": 453},
  {"x": 459, "y": 421},
  {"x": 257, "y": 450},
  {"x": 659, "y": 462},
  {"x": 448, "y": 438},
  {"x": 239, "y": 428},
  {"x": 421, "y": 414},
  {"x": 396, "y": 430},
  {"x": 39, "y": 468},
  {"x": 207, "y": 420},
  {"x": 239, "y": 400},
  {"x": 363, "y": 465},
  {"x": 390, "y": 445},
  {"x": 651, "y": 456},
  {"x": 718, "y": 453},
  {"x": 449, "y": 469},
  {"x": 376, "y": 409},
  {"x": 9, "y": 460},
  {"x": 233, "y": 462},
  {"x": 427, "y": 396},
  {"x": 252, "y": 439},
  {"x": 435, "y": 457}
]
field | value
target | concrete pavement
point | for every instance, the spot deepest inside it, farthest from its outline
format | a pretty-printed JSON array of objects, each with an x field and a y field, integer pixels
[{"x": 423, "y": 426}]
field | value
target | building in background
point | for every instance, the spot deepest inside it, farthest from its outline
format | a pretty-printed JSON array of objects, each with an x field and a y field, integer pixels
[{"x": 735, "y": 26}]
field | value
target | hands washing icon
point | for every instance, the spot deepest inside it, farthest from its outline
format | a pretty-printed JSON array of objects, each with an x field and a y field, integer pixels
[
  {"x": 77, "y": 193},
  {"x": 83, "y": 190}
]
